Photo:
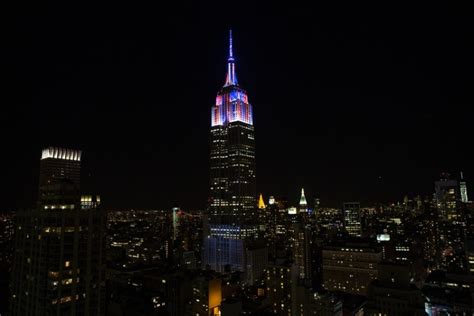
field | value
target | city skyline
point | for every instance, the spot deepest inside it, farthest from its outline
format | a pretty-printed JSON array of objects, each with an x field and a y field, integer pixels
[
  {"x": 317, "y": 183},
  {"x": 316, "y": 84}
]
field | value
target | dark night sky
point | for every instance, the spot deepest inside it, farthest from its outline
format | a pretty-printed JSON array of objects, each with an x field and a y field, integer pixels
[{"x": 360, "y": 103}]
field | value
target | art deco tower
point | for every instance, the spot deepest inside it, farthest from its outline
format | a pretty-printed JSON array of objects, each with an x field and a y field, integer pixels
[
  {"x": 232, "y": 174},
  {"x": 233, "y": 209}
]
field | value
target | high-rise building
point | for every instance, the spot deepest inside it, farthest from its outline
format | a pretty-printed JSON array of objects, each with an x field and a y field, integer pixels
[
  {"x": 463, "y": 188},
  {"x": 302, "y": 241},
  {"x": 60, "y": 163},
  {"x": 232, "y": 209},
  {"x": 281, "y": 287},
  {"x": 256, "y": 260},
  {"x": 352, "y": 218},
  {"x": 175, "y": 211},
  {"x": 448, "y": 196},
  {"x": 232, "y": 173},
  {"x": 59, "y": 262}
]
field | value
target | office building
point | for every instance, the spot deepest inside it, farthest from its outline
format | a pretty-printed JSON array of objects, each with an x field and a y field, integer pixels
[
  {"x": 463, "y": 189},
  {"x": 232, "y": 211},
  {"x": 302, "y": 247},
  {"x": 59, "y": 262},
  {"x": 352, "y": 218},
  {"x": 281, "y": 282},
  {"x": 447, "y": 197},
  {"x": 232, "y": 157},
  {"x": 257, "y": 260},
  {"x": 350, "y": 267}
]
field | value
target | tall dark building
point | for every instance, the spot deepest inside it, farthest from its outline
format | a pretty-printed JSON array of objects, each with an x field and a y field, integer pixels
[
  {"x": 59, "y": 262},
  {"x": 302, "y": 240},
  {"x": 448, "y": 197},
  {"x": 232, "y": 209},
  {"x": 232, "y": 174},
  {"x": 352, "y": 218}
]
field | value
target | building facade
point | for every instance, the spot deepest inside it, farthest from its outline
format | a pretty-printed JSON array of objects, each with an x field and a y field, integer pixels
[
  {"x": 232, "y": 209},
  {"x": 463, "y": 189},
  {"x": 350, "y": 268},
  {"x": 448, "y": 197},
  {"x": 232, "y": 157},
  {"x": 59, "y": 262},
  {"x": 352, "y": 218},
  {"x": 393, "y": 293},
  {"x": 281, "y": 284},
  {"x": 302, "y": 247}
]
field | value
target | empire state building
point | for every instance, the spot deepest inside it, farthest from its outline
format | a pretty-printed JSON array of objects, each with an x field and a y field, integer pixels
[
  {"x": 232, "y": 208},
  {"x": 232, "y": 174}
]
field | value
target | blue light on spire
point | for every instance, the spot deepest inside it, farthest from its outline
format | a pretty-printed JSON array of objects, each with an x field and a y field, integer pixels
[
  {"x": 232, "y": 104},
  {"x": 231, "y": 78}
]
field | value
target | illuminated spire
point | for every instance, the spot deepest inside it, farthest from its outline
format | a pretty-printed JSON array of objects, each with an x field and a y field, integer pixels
[
  {"x": 261, "y": 204},
  {"x": 303, "y": 202},
  {"x": 231, "y": 78}
]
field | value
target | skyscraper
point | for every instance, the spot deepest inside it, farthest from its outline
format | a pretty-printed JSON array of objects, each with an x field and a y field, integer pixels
[
  {"x": 59, "y": 262},
  {"x": 352, "y": 218},
  {"x": 448, "y": 197},
  {"x": 232, "y": 209},
  {"x": 463, "y": 188},
  {"x": 232, "y": 156},
  {"x": 302, "y": 241}
]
